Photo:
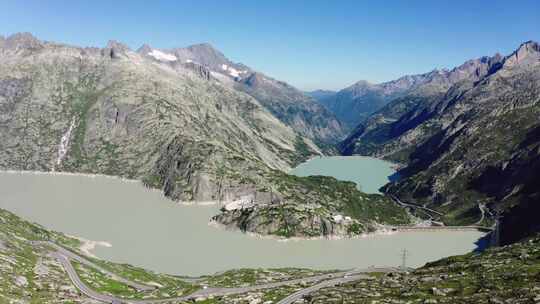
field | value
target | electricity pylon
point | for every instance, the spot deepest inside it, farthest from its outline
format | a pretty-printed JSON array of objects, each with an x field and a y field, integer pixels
[{"x": 404, "y": 255}]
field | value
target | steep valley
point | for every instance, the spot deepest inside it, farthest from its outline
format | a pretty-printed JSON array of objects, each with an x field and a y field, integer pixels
[
  {"x": 471, "y": 151},
  {"x": 200, "y": 128},
  {"x": 269, "y": 152}
]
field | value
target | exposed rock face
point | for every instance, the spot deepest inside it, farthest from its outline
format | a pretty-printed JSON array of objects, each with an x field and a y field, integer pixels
[
  {"x": 322, "y": 206},
  {"x": 289, "y": 225},
  {"x": 476, "y": 143},
  {"x": 206, "y": 55},
  {"x": 294, "y": 108},
  {"x": 116, "y": 50},
  {"x": 201, "y": 70},
  {"x": 178, "y": 126},
  {"x": 354, "y": 104},
  {"x": 516, "y": 184},
  {"x": 117, "y": 112},
  {"x": 392, "y": 129},
  {"x": 287, "y": 103},
  {"x": 21, "y": 41}
]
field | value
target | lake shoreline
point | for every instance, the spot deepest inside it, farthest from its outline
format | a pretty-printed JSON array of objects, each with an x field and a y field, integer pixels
[
  {"x": 368, "y": 173},
  {"x": 382, "y": 231},
  {"x": 330, "y": 237},
  {"x": 66, "y": 173},
  {"x": 116, "y": 177},
  {"x": 146, "y": 230},
  {"x": 88, "y": 246}
]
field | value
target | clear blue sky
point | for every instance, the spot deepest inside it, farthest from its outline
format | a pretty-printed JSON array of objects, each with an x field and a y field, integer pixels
[{"x": 310, "y": 44}]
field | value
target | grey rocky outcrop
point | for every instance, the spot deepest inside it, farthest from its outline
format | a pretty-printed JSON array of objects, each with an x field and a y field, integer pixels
[
  {"x": 288, "y": 104},
  {"x": 354, "y": 104},
  {"x": 128, "y": 112},
  {"x": 178, "y": 126},
  {"x": 473, "y": 144}
]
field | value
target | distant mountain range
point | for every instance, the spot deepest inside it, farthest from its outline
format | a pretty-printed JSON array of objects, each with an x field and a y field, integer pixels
[
  {"x": 187, "y": 121},
  {"x": 468, "y": 139},
  {"x": 355, "y": 103},
  {"x": 321, "y": 95},
  {"x": 200, "y": 127}
]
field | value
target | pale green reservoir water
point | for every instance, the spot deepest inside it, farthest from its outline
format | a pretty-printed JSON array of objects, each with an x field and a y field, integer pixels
[
  {"x": 368, "y": 173},
  {"x": 145, "y": 229}
]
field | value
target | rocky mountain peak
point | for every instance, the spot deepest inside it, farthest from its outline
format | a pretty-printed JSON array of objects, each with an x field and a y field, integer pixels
[
  {"x": 527, "y": 53},
  {"x": 113, "y": 44},
  {"x": 475, "y": 69},
  {"x": 401, "y": 84},
  {"x": 530, "y": 46},
  {"x": 115, "y": 49},
  {"x": 22, "y": 41},
  {"x": 361, "y": 87},
  {"x": 203, "y": 53},
  {"x": 362, "y": 84},
  {"x": 144, "y": 49},
  {"x": 355, "y": 102},
  {"x": 203, "y": 46}
]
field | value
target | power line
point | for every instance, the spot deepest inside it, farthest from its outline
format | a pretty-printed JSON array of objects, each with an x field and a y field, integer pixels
[{"x": 404, "y": 255}]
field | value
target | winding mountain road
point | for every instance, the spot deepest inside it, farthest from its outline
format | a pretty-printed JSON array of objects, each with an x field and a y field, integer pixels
[
  {"x": 475, "y": 226},
  {"x": 74, "y": 277},
  {"x": 301, "y": 293},
  {"x": 63, "y": 256},
  {"x": 75, "y": 257},
  {"x": 350, "y": 276},
  {"x": 403, "y": 204}
]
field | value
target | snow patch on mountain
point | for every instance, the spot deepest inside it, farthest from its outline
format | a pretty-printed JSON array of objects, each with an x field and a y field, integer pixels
[
  {"x": 232, "y": 71},
  {"x": 159, "y": 55}
]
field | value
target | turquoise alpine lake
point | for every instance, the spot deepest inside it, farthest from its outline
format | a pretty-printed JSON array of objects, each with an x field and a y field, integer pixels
[
  {"x": 368, "y": 173},
  {"x": 147, "y": 230}
]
